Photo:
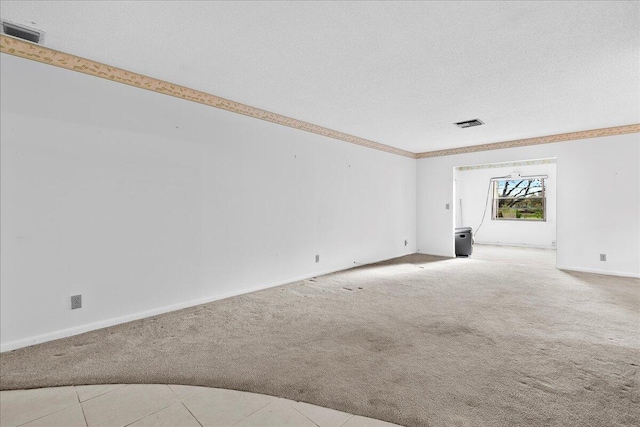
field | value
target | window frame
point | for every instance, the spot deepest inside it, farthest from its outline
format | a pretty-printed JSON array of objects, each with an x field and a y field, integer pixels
[{"x": 496, "y": 199}]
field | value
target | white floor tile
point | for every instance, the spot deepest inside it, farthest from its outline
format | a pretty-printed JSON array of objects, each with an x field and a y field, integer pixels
[
  {"x": 175, "y": 415},
  {"x": 323, "y": 417},
  {"x": 184, "y": 391},
  {"x": 358, "y": 421},
  {"x": 277, "y": 414},
  {"x": 21, "y": 406},
  {"x": 218, "y": 407},
  {"x": 161, "y": 405},
  {"x": 68, "y": 417},
  {"x": 86, "y": 392},
  {"x": 127, "y": 404}
]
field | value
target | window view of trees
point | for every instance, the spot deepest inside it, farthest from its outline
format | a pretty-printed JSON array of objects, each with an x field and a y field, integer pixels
[{"x": 522, "y": 199}]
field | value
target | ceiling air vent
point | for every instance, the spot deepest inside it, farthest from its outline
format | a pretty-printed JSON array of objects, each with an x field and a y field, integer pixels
[
  {"x": 21, "y": 32},
  {"x": 469, "y": 123}
]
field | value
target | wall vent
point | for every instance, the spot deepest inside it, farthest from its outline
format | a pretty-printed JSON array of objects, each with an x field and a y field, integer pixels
[
  {"x": 469, "y": 123},
  {"x": 22, "y": 32}
]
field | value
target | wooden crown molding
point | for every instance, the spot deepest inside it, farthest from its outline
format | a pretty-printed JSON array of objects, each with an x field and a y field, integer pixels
[
  {"x": 561, "y": 137},
  {"x": 38, "y": 53},
  {"x": 35, "y": 52}
]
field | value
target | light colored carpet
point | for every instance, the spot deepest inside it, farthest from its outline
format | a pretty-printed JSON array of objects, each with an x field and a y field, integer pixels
[{"x": 501, "y": 338}]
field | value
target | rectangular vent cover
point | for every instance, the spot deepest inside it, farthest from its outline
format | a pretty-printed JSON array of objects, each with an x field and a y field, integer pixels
[
  {"x": 21, "y": 32},
  {"x": 469, "y": 123}
]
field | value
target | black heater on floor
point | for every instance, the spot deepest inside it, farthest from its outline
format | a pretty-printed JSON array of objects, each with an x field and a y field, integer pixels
[{"x": 464, "y": 241}]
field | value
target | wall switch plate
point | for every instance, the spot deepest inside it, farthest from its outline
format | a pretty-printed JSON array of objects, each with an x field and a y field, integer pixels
[
  {"x": 76, "y": 302},
  {"x": 447, "y": 206},
  {"x": 317, "y": 258},
  {"x": 603, "y": 257}
]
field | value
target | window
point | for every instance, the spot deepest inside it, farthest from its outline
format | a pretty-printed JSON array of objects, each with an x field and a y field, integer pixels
[{"x": 521, "y": 199}]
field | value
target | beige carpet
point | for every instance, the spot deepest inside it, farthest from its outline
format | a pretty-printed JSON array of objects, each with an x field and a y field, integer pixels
[{"x": 499, "y": 339}]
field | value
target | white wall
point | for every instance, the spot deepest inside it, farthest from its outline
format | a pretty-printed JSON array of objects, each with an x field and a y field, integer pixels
[
  {"x": 598, "y": 201},
  {"x": 472, "y": 185},
  {"x": 144, "y": 203}
]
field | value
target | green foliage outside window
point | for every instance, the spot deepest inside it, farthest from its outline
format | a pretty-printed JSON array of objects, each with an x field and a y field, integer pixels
[{"x": 519, "y": 199}]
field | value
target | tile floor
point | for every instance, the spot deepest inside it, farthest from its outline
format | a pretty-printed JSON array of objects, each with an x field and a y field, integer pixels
[{"x": 141, "y": 405}]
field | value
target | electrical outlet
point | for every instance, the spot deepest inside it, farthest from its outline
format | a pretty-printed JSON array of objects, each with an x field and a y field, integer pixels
[
  {"x": 76, "y": 302},
  {"x": 447, "y": 206},
  {"x": 317, "y": 258},
  {"x": 603, "y": 257},
  {"x": 406, "y": 243}
]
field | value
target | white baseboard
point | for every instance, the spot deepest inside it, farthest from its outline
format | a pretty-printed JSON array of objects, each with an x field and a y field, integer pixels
[
  {"x": 437, "y": 254},
  {"x": 597, "y": 271},
  {"x": 518, "y": 245},
  {"x": 76, "y": 330}
]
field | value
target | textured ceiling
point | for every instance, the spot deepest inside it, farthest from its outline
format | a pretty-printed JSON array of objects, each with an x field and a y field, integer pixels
[{"x": 399, "y": 73}]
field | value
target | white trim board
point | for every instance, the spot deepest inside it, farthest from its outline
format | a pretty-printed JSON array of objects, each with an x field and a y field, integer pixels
[
  {"x": 517, "y": 245},
  {"x": 77, "y": 330},
  {"x": 602, "y": 272},
  {"x": 437, "y": 254}
]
